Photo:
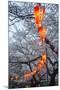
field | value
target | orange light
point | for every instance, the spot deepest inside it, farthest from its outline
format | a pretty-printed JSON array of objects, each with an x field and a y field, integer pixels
[
  {"x": 34, "y": 70},
  {"x": 36, "y": 10},
  {"x": 37, "y": 21},
  {"x": 40, "y": 29},
  {"x": 16, "y": 77},
  {"x": 42, "y": 34},
  {"x": 39, "y": 13},
  {"x": 12, "y": 78},
  {"x": 42, "y": 62},
  {"x": 42, "y": 13},
  {"x": 27, "y": 75},
  {"x": 44, "y": 57}
]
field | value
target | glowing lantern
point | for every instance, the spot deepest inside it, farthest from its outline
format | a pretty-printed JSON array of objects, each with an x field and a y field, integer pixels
[
  {"x": 40, "y": 29},
  {"x": 42, "y": 13},
  {"x": 44, "y": 57},
  {"x": 27, "y": 75},
  {"x": 34, "y": 71},
  {"x": 42, "y": 62},
  {"x": 16, "y": 77},
  {"x": 36, "y": 10},
  {"x": 42, "y": 33},
  {"x": 12, "y": 78},
  {"x": 39, "y": 13}
]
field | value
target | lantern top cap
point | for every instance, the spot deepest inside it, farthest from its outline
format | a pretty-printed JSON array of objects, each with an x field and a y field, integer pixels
[{"x": 36, "y": 8}]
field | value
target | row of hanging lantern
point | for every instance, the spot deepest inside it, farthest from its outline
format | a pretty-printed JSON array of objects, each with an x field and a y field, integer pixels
[
  {"x": 15, "y": 77},
  {"x": 39, "y": 13},
  {"x": 37, "y": 68}
]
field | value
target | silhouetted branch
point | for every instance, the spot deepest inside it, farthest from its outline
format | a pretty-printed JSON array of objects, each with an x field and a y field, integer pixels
[
  {"x": 50, "y": 61},
  {"x": 26, "y": 62},
  {"x": 23, "y": 16},
  {"x": 51, "y": 46},
  {"x": 31, "y": 71}
]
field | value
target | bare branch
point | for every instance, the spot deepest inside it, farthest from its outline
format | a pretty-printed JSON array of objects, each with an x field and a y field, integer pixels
[
  {"x": 26, "y": 62},
  {"x": 51, "y": 46}
]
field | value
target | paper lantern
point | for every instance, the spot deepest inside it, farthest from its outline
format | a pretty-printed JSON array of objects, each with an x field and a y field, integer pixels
[
  {"x": 27, "y": 75},
  {"x": 44, "y": 57},
  {"x": 12, "y": 78},
  {"x": 42, "y": 34},
  {"x": 39, "y": 13},
  {"x": 34, "y": 70},
  {"x": 16, "y": 77},
  {"x": 36, "y": 10}
]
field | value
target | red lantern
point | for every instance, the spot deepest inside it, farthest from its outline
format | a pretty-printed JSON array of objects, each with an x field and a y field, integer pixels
[
  {"x": 39, "y": 13},
  {"x": 42, "y": 33}
]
